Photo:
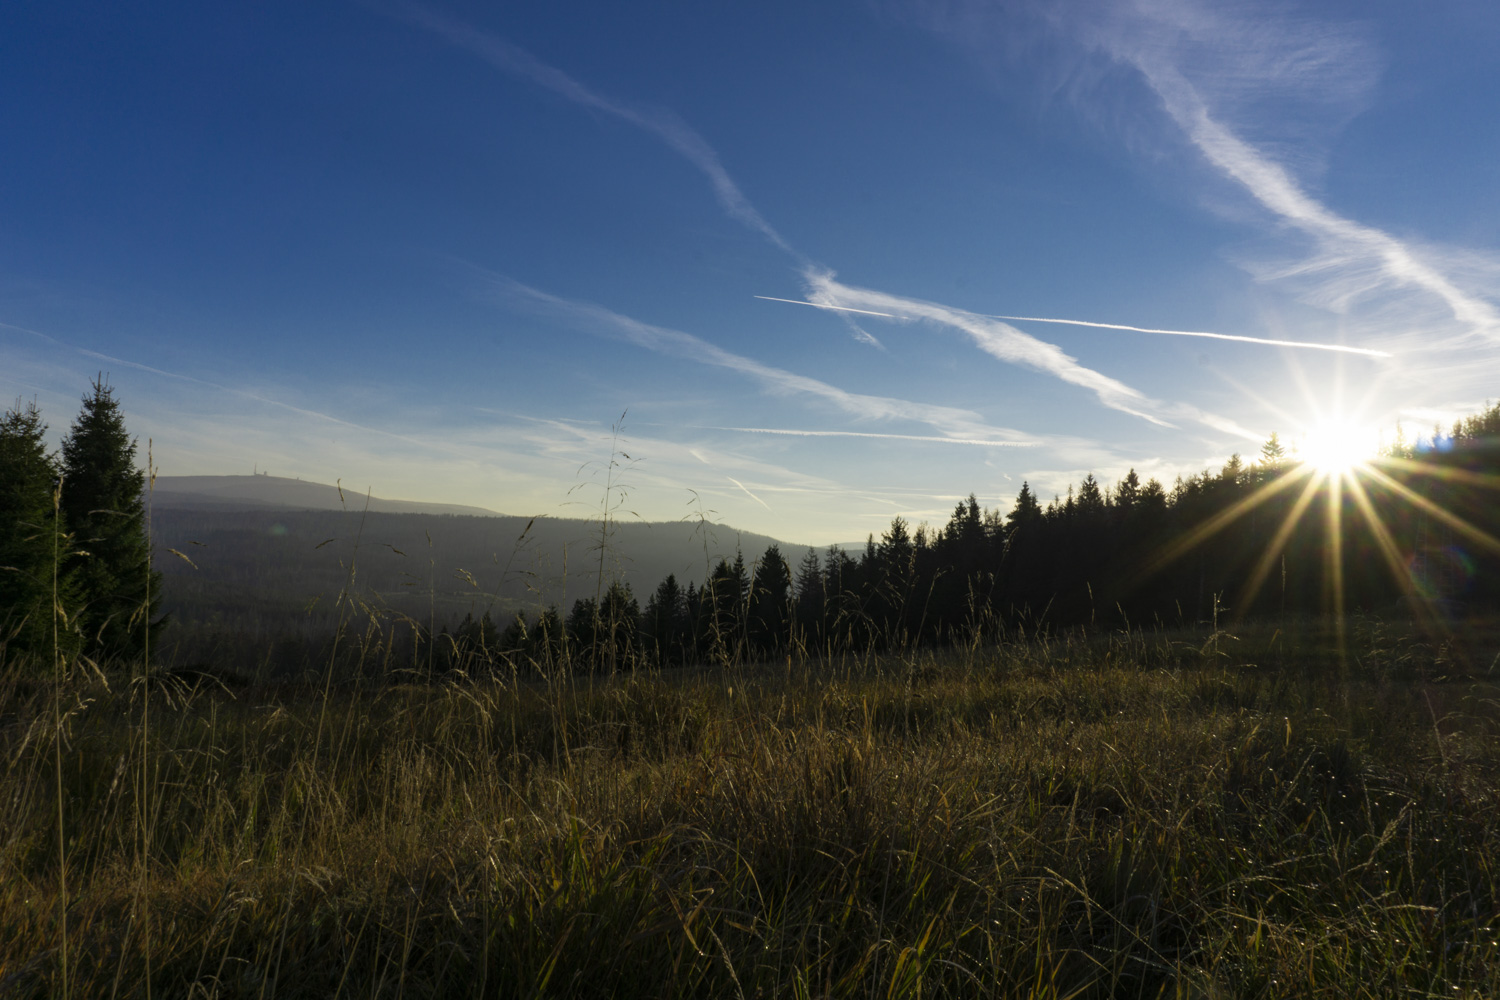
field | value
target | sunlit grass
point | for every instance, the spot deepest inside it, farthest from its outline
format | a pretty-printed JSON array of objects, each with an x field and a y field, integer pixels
[{"x": 1129, "y": 814}]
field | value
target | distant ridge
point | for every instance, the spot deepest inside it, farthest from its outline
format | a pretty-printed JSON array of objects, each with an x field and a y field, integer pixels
[
  {"x": 261, "y": 491},
  {"x": 266, "y": 549}
]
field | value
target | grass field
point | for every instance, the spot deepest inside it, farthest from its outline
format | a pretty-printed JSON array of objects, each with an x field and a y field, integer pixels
[{"x": 1108, "y": 815}]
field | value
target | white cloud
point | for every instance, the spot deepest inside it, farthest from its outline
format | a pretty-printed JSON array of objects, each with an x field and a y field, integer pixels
[
  {"x": 959, "y": 425},
  {"x": 926, "y": 438},
  {"x": 1356, "y": 260},
  {"x": 1005, "y": 343},
  {"x": 1269, "y": 342},
  {"x": 996, "y": 338},
  {"x": 661, "y": 122},
  {"x": 1259, "y": 90}
]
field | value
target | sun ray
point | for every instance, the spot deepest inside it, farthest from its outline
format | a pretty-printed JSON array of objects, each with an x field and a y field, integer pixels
[
  {"x": 1203, "y": 532},
  {"x": 1391, "y": 552},
  {"x": 1333, "y": 573},
  {"x": 1486, "y": 480},
  {"x": 1289, "y": 524},
  {"x": 1476, "y": 535}
]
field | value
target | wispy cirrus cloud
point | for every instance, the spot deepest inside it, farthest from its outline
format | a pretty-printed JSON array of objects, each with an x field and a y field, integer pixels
[
  {"x": 925, "y": 438},
  {"x": 243, "y": 393},
  {"x": 741, "y": 487},
  {"x": 1357, "y": 259},
  {"x": 996, "y": 338},
  {"x": 1228, "y": 77},
  {"x": 1259, "y": 90},
  {"x": 660, "y": 122},
  {"x": 953, "y": 423},
  {"x": 1005, "y": 343}
]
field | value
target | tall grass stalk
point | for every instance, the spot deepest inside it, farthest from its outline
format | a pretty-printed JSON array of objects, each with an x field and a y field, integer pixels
[
  {"x": 144, "y": 900},
  {"x": 58, "y": 686}
]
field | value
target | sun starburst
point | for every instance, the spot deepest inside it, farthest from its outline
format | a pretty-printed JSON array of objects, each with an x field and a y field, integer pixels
[{"x": 1337, "y": 447}]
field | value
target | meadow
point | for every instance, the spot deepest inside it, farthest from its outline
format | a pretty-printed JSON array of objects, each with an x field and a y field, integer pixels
[{"x": 1303, "y": 809}]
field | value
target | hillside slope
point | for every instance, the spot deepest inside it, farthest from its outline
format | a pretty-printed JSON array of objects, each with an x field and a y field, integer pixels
[
  {"x": 269, "y": 554},
  {"x": 240, "y": 492}
]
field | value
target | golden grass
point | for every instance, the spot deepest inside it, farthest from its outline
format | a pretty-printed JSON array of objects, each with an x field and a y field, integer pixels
[{"x": 1107, "y": 816}]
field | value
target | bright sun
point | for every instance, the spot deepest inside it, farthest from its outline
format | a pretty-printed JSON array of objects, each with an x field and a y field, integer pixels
[{"x": 1335, "y": 447}]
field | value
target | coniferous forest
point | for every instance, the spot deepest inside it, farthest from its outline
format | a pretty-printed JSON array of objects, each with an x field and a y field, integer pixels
[
  {"x": 1411, "y": 534},
  {"x": 1233, "y": 737},
  {"x": 75, "y": 545}
]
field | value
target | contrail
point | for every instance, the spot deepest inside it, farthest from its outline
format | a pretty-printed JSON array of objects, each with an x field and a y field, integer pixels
[
  {"x": 824, "y": 305},
  {"x": 999, "y": 340},
  {"x": 1201, "y": 333},
  {"x": 675, "y": 343},
  {"x": 752, "y": 496},
  {"x": 1368, "y": 352},
  {"x": 663, "y": 124},
  {"x": 882, "y": 437}
]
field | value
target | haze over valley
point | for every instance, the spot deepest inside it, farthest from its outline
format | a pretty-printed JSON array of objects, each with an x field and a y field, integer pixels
[{"x": 271, "y": 555}]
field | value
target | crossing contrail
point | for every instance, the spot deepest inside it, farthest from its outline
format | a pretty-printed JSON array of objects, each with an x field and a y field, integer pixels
[
  {"x": 1270, "y": 342},
  {"x": 1203, "y": 333},
  {"x": 824, "y": 305},
  {"x": 935, "y": 439}
]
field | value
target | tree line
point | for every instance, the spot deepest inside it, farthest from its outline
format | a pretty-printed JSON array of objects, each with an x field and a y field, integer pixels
[
  {"x": 75, "y": 553},
  {"x": 1412, "y": 532},
  {"x": 1415, "y": 530}
]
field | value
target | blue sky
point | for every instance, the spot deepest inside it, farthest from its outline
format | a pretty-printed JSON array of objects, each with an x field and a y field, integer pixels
[{"x": 438, "y": 250}]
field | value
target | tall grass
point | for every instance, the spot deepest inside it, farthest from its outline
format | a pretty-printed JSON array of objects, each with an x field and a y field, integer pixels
[{"x": 1132, "y": 814}]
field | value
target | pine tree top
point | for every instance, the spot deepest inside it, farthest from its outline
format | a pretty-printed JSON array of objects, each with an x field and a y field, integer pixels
[{"x": 100, "y": 477}]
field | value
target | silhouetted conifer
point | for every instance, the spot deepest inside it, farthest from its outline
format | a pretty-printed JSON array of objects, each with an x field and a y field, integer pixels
[
  {"x": 770, "y": 606},
  {"x": 33, "y": 540},
  {"x": 103, "y": 500}
]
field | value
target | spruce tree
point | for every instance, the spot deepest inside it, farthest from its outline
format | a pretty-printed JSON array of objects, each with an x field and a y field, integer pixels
[
  {"x": 103, "y": 500},
  {"x": 770, "y": 601},
  {"x": 665, "y": 621},
  {"x": 897, "y": 554},
  {"x": 1273, "y": 452},
  {"x": 544, "y": 640},
  {"x": 724, "y": 595},
  {"x": 1127, "y": 492},
  {"x": 1027, "y": 510},
  {"x": 1090, "y": 502},
  {"x": 583, "y": 629},
  {"x": 811, "y": 595},
  {"x": 620, "y": 619},
  {"x": 33, "y": 542}
]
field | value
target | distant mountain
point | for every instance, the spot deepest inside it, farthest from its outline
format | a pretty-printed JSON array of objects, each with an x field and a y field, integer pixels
[
  {"x": 248, "y": 492},
  {"x": 270, "y": 554}
]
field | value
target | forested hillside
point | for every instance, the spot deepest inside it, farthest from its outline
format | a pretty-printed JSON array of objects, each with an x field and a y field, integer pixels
[{"x": 277, "y": 570}]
